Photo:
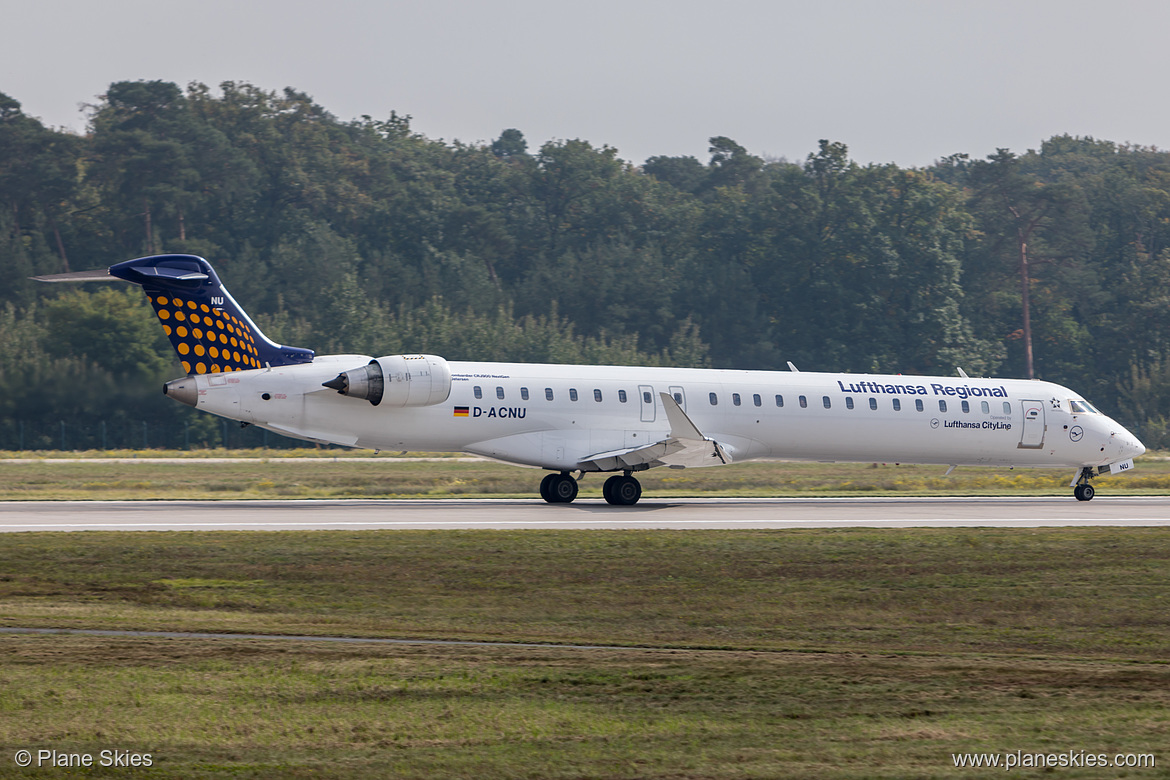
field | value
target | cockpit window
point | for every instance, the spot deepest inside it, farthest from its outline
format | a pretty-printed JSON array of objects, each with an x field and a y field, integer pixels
[{"x": 1081, "y": 407}]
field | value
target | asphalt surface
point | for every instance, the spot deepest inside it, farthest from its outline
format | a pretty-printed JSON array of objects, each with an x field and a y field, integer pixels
[{"x": 698, "y": 513}]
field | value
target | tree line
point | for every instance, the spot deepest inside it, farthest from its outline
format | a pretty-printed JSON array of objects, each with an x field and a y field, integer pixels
[{"x": 366, "y": 236}]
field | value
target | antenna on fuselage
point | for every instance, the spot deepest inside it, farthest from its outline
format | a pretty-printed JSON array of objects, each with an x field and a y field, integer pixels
[
  {"x": 793, "y": 368},
  {"x": 962, "y": 373}
]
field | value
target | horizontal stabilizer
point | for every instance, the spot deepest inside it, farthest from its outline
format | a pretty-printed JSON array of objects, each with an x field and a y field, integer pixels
[
  {"x": 684, "y": 447},
  {"x": 163, "y": 272},
  {"x": 100, "y": 275}
]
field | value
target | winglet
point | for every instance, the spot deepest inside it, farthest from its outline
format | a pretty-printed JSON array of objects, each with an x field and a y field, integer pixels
[{"x": 681, "y": 426}]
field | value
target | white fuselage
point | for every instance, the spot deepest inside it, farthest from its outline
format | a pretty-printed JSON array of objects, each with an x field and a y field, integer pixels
[{"x": 558, "y": 416}]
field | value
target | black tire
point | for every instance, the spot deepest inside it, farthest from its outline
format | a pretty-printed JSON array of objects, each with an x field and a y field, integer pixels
[
  {"x": 1084, "y": 492},
  {"x": 607, "y": 488},
  {"x": 545, "y": 491},
  {"x": 562, "y": 489},
  {"x": 622, "y": 491}
]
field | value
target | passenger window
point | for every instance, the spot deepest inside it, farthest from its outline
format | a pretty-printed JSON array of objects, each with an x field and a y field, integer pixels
[
  {"x": 646, "y": 397},
  {"x": 548, "y": 396},
  {"x": 848, "y": 402},
  {"x": 478, "y": 391},
  {"x": 500, "y": 393},
  {"x": 622, "y": 396},
  {"x": 757, "y": 400},
  {"x": 678, "y": 398},
  {"x": 918, "y": 404},
  {"x": 572, "y": 394},
  {"x": 780, "y": 400},
  {"x": 524, "y": 393},
  {"x": 1007, "y": 408},
  {"x": 966, "y": 407},
  {"x": 597, "y": 395},
  {"x": 735, "y": 399},
  {"x": 897, "y": 404},
  {"x": 714, "y": 399},
  {"x": 873, "y": 404},
  {"x": 942, "y": 406},
  {"x": 983, "y": 407},
  {"x": 825, "y": 400},
  {"x": 803, "y": 402}
]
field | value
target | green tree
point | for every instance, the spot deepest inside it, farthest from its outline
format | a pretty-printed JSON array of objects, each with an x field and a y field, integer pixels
[
  {"x": 1041, "y": 222},
  {"x": 683, "y": 173},
  {"x": 113, "y": 327},
  {"x": 510, "y": 144},
  {"x": 38, "y": 184}
]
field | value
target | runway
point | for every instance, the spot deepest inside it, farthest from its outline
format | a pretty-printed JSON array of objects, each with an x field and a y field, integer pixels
[{"x": 508, "y": 514}]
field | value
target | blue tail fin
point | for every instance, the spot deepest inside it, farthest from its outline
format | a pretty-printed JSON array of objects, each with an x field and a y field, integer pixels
[{"x": 208, "y": 329}]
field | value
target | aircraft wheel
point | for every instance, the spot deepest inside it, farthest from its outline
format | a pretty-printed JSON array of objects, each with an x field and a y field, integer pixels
[
  {"x": 558, "y": 488},
  {"x": 622, "y": 490},
  {"x": 545, "y": 493},
  {"x": 1084, "y": 492}
]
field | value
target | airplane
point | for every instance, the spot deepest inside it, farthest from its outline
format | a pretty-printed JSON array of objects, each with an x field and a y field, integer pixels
[{"x": 611, "y": 419}]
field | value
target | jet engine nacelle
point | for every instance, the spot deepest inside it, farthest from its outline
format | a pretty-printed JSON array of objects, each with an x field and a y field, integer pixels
[{"x": 397, "y": 380}]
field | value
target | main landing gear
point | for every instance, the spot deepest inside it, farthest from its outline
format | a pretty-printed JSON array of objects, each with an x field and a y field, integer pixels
[
  {"x": 1083, "y": 490},
  {"x": 558, "y": 488},
  {"x": 622, "y": 490},
  {"x": 619, "y": 490}
]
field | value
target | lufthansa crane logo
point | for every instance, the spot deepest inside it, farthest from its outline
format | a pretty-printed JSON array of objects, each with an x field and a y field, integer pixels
[
  {"x": 934, "y": 423},
  {"x": 1076, "y": 433}
]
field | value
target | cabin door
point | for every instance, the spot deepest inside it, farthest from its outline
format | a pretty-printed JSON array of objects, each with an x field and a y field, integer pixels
[{"x": 1032, "y": 435}]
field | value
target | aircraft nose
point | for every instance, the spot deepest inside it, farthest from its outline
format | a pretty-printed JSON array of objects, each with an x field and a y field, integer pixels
[
  {"x": 1132, "y": 446},
  {"x": 1127, "y": 445}
]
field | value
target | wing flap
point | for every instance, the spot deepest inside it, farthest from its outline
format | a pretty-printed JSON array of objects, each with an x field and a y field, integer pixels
[{"x": 684, "y": 447}]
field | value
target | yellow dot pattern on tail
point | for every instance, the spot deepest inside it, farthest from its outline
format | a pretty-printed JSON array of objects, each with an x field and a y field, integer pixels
[
  {"x": 211, "y": 334},
  {"x": 208, "y": 340}
]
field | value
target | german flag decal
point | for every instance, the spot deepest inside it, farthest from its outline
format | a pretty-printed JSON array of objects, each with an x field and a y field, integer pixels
[{"x": 461, "y": 411}]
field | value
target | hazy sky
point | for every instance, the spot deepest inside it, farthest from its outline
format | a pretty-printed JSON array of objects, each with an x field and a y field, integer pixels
[{"x": 896, "y": 80}]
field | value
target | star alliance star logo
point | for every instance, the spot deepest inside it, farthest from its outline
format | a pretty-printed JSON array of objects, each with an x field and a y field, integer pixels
[{"x": 1055, "y": 403}]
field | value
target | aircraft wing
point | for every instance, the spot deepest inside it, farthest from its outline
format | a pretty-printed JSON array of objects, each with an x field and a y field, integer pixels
[{"x": 684, "y": 447}]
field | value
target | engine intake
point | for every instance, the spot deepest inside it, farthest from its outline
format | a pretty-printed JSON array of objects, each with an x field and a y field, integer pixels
[{"x": 397, "y": 380}]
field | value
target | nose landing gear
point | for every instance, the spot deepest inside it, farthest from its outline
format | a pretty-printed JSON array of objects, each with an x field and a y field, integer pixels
[{"x": 1083, "y": 490}]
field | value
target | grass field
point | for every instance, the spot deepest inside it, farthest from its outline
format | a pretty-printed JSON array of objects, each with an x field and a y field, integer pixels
[
  {"x": 837, "y": 654},
  {"x": 337, "y": 474}
]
